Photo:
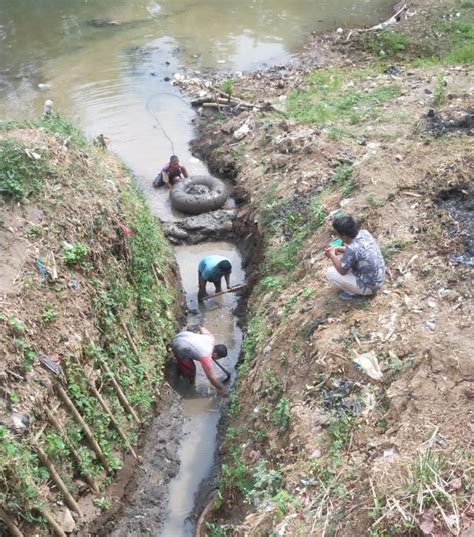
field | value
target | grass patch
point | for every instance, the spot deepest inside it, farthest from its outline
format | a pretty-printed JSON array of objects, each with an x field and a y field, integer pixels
[
  {"x": 331, "y": 96},
  {"x": 388, "y": 44},
  {"x": 22, "y": 169},
  {"x": 392, "y": 248}
]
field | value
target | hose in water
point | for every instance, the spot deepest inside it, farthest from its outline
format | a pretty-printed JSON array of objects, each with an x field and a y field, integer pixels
[{"x": 155, "y": 117}]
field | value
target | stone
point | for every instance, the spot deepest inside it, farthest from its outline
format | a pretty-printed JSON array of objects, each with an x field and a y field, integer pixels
[{"x": 241, "y": 132}]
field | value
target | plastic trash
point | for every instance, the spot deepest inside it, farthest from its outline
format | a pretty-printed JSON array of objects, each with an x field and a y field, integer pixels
[
  {"x": 43, "y": 271},
  {"x": 369, "y": 363}
]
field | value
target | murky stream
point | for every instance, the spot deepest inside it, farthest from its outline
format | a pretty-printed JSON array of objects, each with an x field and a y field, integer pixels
[{"x": 106, "y": 66}]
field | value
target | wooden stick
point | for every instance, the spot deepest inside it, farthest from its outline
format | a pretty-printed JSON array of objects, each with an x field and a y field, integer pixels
[
  {"x": 129, "y": 338},
  {"x": 389, "y": 21},
  {"x": 52, "y": 523},
  {"x": 75, "y": 454},
  {"x": 95, "y": 446},
  {"x": 14, "y": 531},
  {"x": 121, "y": 396},
  {"x": 113, "y": 421},
  {"x": 68, "y": 497},
  {"x": 235, "y": 288}
]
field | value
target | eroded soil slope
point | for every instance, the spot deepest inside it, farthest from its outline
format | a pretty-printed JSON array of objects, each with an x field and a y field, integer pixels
[{"x": 315, "y": 446}]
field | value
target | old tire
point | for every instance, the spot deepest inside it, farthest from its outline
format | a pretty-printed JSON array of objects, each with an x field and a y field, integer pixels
[{"x": 185, "y": 198}]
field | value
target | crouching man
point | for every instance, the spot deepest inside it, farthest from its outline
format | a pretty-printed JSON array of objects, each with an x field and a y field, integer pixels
[
  {"x": 189, "y": 347},
  {"x": 358, "y": 266}
]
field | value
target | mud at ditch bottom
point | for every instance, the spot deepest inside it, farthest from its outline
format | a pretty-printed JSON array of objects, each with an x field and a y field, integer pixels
[{"x": 141, "y": 506}]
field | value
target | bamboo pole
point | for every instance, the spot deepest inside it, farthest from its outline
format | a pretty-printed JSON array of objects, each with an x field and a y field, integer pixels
[
  {"x": 121, "y": 396},
  {"x": 68, "y": 497},
  {"x": 113, "y": 421},
  {"x": 95, "y": 446},
  {"x": 75, "y": 454},
  {"x": 129, "y": 339},
  {"x": 235, "y": 288},
  {"x": 12, "y": 528},
  {"x": 52, "y": 523}
]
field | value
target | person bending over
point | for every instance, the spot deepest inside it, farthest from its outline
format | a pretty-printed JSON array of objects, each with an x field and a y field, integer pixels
[
  {"x": 358, "y": 267},
  {"x": 171, "y": 173},
  {"x": 212, "y": 269},
  {"x": 189, "y": 347}
]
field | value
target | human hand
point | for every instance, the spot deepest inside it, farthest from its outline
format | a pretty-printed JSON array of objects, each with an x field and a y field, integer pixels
[
  {"x": 330, "y": 251},
  {"x": 224, "y": 392}
]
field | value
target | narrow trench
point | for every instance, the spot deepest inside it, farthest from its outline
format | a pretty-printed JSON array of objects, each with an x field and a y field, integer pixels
[{"x": 202, "y": 408}]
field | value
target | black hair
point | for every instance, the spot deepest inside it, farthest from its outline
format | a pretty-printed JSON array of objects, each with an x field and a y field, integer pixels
[
  {"x": 225, "y": 266},
  {"x": 220, "y": 350},
  {"x": 173, "y": 158},
  {"x": 346, "y": 225}
]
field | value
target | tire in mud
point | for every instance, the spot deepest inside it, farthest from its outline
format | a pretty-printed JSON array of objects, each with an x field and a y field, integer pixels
[{"x": 199, "y": 194}]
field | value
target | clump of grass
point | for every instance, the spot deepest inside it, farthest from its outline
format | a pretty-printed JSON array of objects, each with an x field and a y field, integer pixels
[
  {"x": 23, "y": 169},
  {"x": 392, "y": 248},
  {"x": 227, "y": 86},
  {"x": 439, "y": 94},
  {"x": 329, "y": 98},
  {"x": 389, "y": 43}
]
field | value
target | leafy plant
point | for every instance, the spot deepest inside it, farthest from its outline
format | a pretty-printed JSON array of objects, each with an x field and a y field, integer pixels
[
  {"x": 76, "y": 254},
  {"x": 439, "y": 94},
  {"x": 392, "y": 248},
  {"x": 102, "y": 503},
  {"x": 22, "y": 169},
  {"x": 227, "y": 86},
  {"x": 390, "y": 43},
  {"x": 48, "y": 315},
  {"x": 280, "y": 415}
]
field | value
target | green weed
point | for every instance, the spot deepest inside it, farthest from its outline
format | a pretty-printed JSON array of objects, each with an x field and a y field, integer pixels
[
  {"x": 102, "y": 503},
  {"x": 227, "y": 86},
  {"x": 389, "y": 43},
  {"x": 330, "y": 97},
  {"x": 280, "y": 416},
  {"x": 48, "y": 315},
  {"x": 392, "y": 248},
  {"x": 439, "y": 94},
  {"x": 23, "y": 169},
  {"x": 76, "y": 254}
]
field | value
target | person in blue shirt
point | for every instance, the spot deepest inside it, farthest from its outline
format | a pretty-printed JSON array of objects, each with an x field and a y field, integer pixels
[{"x": 211, "y": 269}]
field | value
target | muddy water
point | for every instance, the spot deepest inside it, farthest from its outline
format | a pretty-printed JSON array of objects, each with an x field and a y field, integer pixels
[{"x": 201, "y": 406}]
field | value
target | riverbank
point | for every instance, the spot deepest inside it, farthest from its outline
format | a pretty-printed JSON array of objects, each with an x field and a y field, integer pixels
[
  {"x": 89, "y": 303},
  {"x": 315, "y": 446}
]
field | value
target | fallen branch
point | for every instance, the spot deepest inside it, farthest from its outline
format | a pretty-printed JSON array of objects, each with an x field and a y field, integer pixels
[{"x": 392, "y": 20}]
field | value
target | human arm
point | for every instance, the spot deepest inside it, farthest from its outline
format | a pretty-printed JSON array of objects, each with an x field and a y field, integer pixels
[
  {"x": 166, "y": 179},
  {"x": 227, "y": 280},
  {"x": 184, "y": 172},
  {"x": 205, "y": 331},
  {"x": 331, "y": 253},
  {"x": 206, "y": 363}
]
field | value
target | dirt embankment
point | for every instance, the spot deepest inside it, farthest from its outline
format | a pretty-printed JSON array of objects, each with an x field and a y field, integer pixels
[
  {"x": 315, "y": 445},
  {"x": 88, "y": 302}
]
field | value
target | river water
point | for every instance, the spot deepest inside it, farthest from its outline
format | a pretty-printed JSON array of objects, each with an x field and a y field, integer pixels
[{"x": 104, "y": 63}]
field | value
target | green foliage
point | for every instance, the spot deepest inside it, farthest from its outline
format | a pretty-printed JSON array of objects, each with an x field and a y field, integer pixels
[
  {"x": 392, "y": 248},
  {"x": 270, "y": 282},
  {"x": 343, "y": 178},
  {"x": 389, "y": 43},
  {"x": 63, "y": 129},
  {"x": 48, "y": 315},
  {"x": 216, "y": 530},
  {"x": 76, "y": 254},
  {"x": 29, "y": 355},
  {"x": 280, "y": 415},
  {"x": 23, "y": 169},
  {"x": 265, "y": 483},
  {"x": 227, "y": 86},
  {"x": 330, "y": 97},
  {"x": 439, "y": 95},
  {"x": 102, "y": 503}
]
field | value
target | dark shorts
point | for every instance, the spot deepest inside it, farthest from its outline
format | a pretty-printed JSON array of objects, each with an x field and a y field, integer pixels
[
  {"x": 158, "y": 181},
  {"x": 186, "y": 367}
]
